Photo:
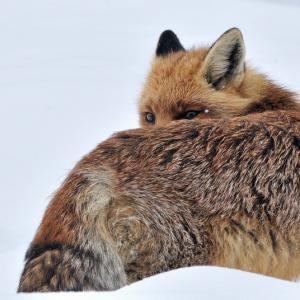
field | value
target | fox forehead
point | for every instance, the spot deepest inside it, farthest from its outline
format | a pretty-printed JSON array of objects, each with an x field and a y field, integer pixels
[
  {"x": 174, "y": 78},
  {"x": 182, "y": 63},
  {"x": 176, "y": 68}
]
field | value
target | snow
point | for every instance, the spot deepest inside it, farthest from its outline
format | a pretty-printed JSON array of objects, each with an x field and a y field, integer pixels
[
  {"x": 70, "y": 74},
  {"x": 192, "y": 283}
]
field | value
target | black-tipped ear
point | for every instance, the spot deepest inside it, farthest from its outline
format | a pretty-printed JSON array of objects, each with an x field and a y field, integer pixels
[{"x": 168, "y": 42}]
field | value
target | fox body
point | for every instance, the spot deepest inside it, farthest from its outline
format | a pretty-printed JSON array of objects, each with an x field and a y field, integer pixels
[
  {"x": 223, "y": 191},
  {"x": 217, "y": 192}
]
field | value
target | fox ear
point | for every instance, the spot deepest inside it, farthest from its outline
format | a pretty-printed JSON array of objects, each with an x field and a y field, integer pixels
[
  {"x": 168, "y": 42},
  {"x": 225, "y": 60}
]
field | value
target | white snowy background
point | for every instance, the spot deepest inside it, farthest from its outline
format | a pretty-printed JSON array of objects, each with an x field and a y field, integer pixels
[{"x": 70, "y": 75}]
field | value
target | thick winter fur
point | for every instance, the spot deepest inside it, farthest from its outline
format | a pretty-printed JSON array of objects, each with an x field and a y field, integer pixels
[
  {"x": 214, "y": 81},
  {"x": 217, "y": 192},
  {"x": 223, "y": 191}
]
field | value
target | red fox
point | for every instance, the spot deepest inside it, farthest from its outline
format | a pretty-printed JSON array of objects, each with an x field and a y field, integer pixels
[
  {"x": 205, "y": 83},
  {"x": 222, "y": 192}
]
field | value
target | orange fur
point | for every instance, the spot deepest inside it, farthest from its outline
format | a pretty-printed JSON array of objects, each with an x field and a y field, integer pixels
[
  {"x": 258, "y": 246},
  {"x": 177, "y": 83}
]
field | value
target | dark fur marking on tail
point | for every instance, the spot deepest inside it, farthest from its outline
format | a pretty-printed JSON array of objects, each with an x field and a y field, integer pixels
[
  {"x": 190, "y": 232},
  {"x": 109, "y": 151},
  {"x": 206, "y": 136},
  {"x": 260, "y": 198},
  {"x": 187, "y": 162},
  {"x": 192, "y": 134},
  {"x": 296, "y": 142},
  {"x": 213, "y": 149},
  {"x": 273, "y": 240},
  {"x": 270, "y": 145},
  {"x": 253, "y": 236},
  {"x": 169, "y": 142},
  {"x": 238, "y": 225},
  {"x": 69, "y": 269},
  {"x": 163, "y": 145},
  {"x": 37, "y": 250},
  {"x": 168, "y": 157},
  {"x": 132, "y": 139}
]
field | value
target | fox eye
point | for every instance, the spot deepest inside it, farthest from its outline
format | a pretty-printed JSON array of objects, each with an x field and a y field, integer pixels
[
  {"x": 190, "y": 114},
  {"x": 149, "y": 117}
]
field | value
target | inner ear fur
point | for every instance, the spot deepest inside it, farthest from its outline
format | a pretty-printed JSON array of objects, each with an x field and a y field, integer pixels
[{"x": 225, "y": 61}]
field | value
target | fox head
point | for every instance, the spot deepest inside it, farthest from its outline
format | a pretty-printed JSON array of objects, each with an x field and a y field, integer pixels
[{"x": 204, "y": 83}]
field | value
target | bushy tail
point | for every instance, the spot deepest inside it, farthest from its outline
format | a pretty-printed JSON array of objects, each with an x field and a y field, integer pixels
[
  {"x": 56, "y": 267},
  {"x": 71, "y": 250}
]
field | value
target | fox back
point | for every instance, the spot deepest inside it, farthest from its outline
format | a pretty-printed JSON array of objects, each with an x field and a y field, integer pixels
[
  {"x": 216, "y": 192},
  {"x": 208, "y": 82}
]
